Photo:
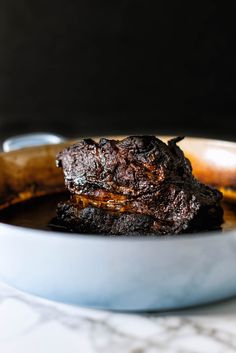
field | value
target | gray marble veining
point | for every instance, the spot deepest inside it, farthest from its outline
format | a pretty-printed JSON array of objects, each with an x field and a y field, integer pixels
[{"x": 30, "y": 324}]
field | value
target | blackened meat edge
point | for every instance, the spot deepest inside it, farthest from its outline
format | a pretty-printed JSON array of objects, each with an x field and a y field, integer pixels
[{"x": 138, "y": 185}]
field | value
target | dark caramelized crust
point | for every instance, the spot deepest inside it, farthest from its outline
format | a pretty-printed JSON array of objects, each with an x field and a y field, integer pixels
[
  {"x": 96, "y": 220},
  {"x": 133, "y": 166},
  {"x": 137, "y": 185}
]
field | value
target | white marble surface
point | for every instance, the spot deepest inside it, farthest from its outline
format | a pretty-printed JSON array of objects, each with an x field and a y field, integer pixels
[{"x": 30, "y": 324}]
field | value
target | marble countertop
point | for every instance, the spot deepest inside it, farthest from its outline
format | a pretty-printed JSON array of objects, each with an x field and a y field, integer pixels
[{"x": 30, "y": 324}]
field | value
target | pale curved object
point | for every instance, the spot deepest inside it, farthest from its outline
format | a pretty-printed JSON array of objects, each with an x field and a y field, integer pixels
[{"x": 123, "y": 273}]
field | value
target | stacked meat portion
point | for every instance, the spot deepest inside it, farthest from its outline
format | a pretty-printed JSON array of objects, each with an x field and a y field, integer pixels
[{"x": 138, "y": 185}]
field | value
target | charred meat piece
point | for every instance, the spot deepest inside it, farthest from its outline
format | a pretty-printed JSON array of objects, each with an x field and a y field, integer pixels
[{"x": 138, "y": 185}]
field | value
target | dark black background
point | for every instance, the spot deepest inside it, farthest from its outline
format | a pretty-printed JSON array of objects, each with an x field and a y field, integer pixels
[{"x": 97, "y": 67}]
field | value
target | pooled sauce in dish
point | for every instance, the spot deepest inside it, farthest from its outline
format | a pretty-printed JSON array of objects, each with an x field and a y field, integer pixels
[
  {"x": 34, "y": 213},
  {"x": 37, "y": 213}
]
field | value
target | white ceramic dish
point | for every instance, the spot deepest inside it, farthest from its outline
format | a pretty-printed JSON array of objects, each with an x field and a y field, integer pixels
[{"x": 118, "y": 273}]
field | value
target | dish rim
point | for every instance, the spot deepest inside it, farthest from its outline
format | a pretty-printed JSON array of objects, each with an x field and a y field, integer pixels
[{"x": 44, "y": 232}]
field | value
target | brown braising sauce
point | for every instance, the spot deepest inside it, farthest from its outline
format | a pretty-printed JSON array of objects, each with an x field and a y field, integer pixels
[{"x": 37, "y": 213}]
